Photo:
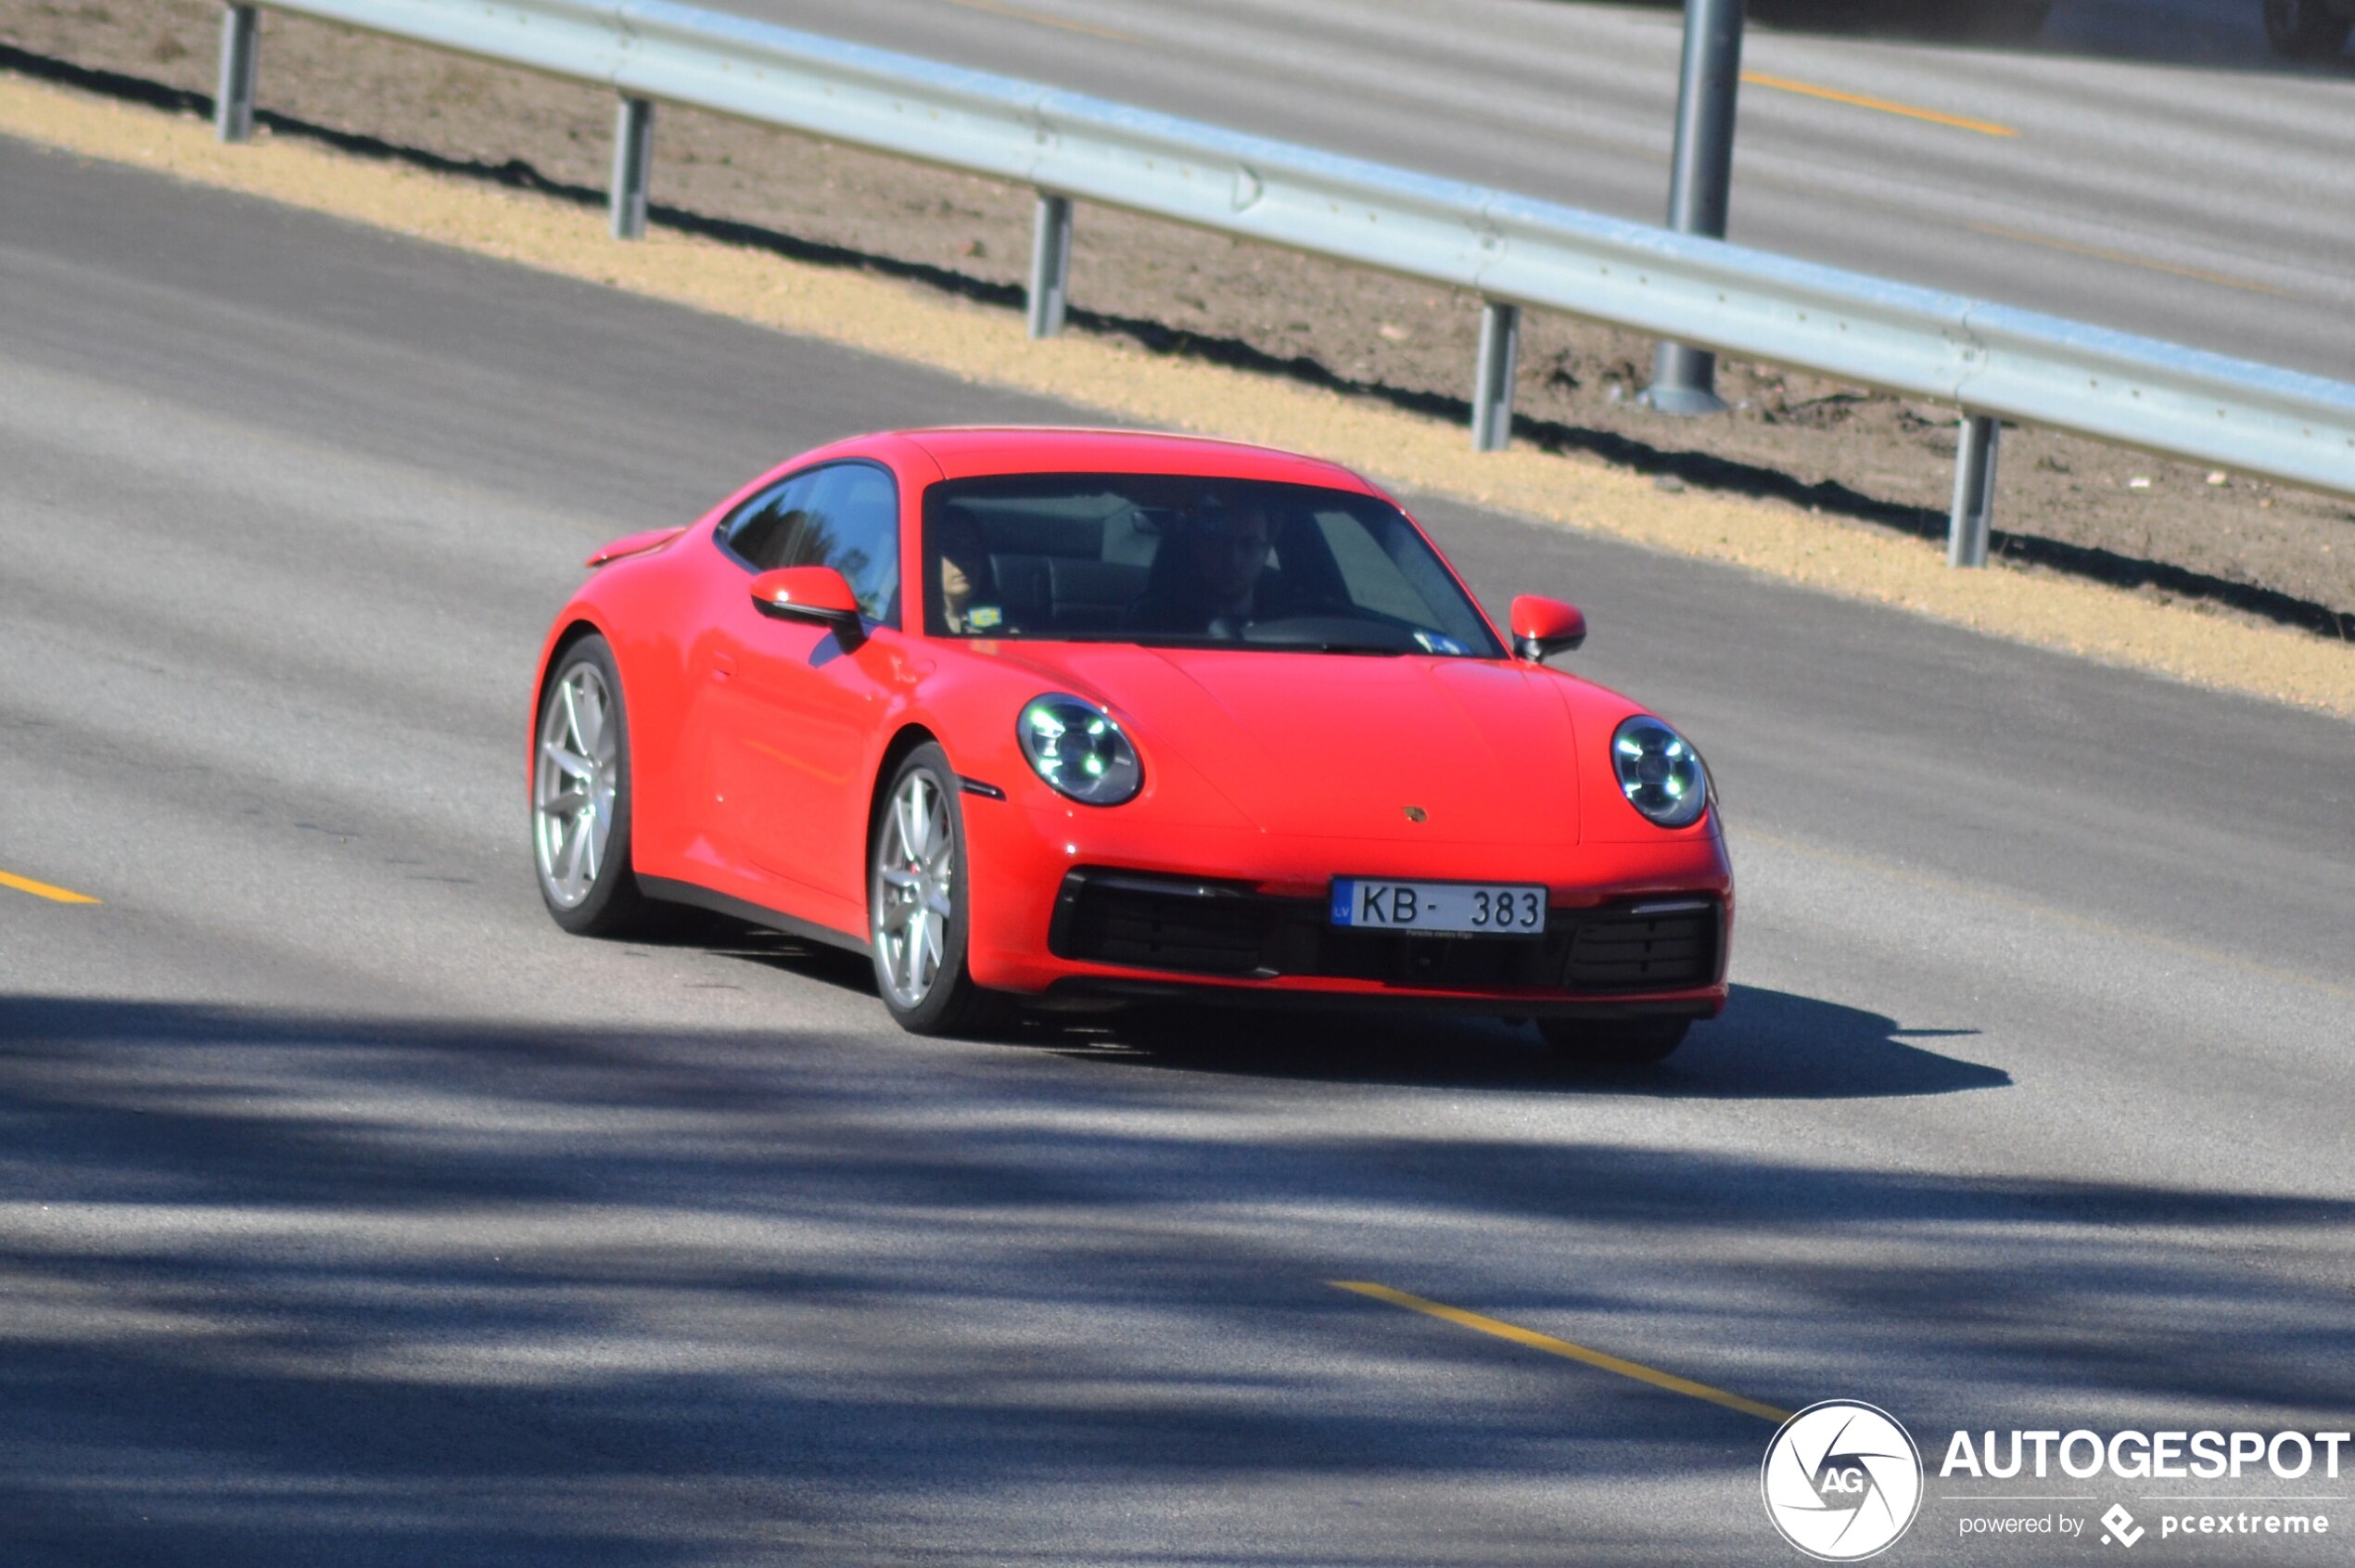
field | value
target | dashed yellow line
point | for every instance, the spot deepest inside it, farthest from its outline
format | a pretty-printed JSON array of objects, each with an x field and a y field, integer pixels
[
  {"x": 1879, "y": 106},
  {"x": 1043, "y": 19},
  {"x": 43, "y": 891},
  {"x": 1564, "y": 1348}
]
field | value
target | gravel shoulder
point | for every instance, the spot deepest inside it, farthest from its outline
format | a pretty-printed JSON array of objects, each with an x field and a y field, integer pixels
[{"x": 2245, "y": 549}]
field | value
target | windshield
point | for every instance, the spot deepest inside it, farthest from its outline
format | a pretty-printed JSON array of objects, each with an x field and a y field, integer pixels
[{"x": 1172, "y": 560}]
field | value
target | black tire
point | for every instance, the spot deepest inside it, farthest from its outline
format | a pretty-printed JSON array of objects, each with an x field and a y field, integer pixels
[
  {"x": 580, "y": 852},
  {"x": 1618, "y": 1043},
  {"x": 2304, "y": 30},
  {"x": 945, "y": 1001}
]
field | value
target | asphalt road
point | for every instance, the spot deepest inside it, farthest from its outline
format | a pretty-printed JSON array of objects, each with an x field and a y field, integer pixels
[
  {"x": 350, "y": 1213},
  {"x": 2144, "y": 164}
]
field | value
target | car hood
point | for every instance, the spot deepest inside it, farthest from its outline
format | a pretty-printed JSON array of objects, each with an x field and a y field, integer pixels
[{"x": 1414, "y": 747}]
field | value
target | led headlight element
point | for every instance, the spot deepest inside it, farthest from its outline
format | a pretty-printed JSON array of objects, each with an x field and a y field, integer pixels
[
  {"x": 1660, "y": 772},
  {"x": 1077, "y": 749}
]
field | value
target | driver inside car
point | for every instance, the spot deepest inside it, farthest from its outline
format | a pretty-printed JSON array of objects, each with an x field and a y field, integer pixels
[{"x": 1207, "y": 577}]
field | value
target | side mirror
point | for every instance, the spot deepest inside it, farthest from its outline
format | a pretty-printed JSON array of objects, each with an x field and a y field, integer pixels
[
  {"x": 810, "y": 593},
  {"x": 1544, "y": 627}
]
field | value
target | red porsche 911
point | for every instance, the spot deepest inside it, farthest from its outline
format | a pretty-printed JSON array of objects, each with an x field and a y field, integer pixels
[{"x": 1067, "y": 719}]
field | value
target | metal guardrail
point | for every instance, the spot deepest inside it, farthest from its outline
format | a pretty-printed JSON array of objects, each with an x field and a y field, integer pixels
[{"x": 1992, "y": 362}]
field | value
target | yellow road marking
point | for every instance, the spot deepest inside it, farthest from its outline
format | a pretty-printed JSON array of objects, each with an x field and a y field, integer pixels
[
  {"x": 1882, "y": 105},
  {"x": 1563, "y": 1347},
  {"x": 42, "y": 890},
  {"x": 2122, "y": 258},
  {"x": 996, "y": 9}
]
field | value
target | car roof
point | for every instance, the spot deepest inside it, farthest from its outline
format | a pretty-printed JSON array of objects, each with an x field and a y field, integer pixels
[{"x": 968, "y": 452}]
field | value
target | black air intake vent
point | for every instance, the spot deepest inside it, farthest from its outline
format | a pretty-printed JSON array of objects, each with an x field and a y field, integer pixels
[
  {"x": 1159, "y": 922},
  {"x": 1659, "y": 946}
]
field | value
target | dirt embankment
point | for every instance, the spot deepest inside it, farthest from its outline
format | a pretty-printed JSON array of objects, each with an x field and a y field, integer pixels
[{"x": 2245, "y": 547}]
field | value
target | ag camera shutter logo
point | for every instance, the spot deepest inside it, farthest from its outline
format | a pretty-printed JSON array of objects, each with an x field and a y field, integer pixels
[{"x": 1842, "y": 1481}]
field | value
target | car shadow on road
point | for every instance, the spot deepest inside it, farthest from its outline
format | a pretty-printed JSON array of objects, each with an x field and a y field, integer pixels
[
  {"x": 1768, "y": 1045},
  {"x": 726, "y": 936}
]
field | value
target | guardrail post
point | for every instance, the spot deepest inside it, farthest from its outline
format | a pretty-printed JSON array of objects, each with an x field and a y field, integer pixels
[
  {"x": 1493, "y": 382},
  {"x": 1700, "y": 182},
  {"x": 240, "y": 58},
  {"x": 1974, "y": 490},
  {"x": 1049, "y": 265},
  {"x": 633, "y": 161}
]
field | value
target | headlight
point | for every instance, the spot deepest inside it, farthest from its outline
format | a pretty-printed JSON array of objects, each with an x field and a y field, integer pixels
[
  {"x": 1076, "y": 746},
  {"x": 1660, "y": 772}
]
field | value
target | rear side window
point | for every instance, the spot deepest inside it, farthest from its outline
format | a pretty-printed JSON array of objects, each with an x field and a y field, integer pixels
[{"x": 844, "y": 516}]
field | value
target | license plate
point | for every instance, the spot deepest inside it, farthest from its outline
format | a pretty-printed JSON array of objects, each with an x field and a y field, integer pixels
[{"x": 1460, "y": 909}]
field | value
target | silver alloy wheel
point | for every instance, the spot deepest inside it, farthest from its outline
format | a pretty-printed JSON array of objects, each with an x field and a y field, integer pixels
[
  {"x": 572, "y": 793},
  {"x": 914, "y": 886}
]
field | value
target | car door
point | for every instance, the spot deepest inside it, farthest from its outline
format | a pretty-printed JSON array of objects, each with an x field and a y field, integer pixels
[{"x": 797, "y": 709}]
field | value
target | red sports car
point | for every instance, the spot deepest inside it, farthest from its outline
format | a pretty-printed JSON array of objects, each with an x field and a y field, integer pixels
[{"x": 1074, "y": 718}]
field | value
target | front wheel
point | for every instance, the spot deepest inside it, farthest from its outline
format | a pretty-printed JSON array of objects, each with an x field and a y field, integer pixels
[
  {"x": 1618, "y": 1043},
  {"x": 2304, "y": 30},
  {"x": 917, "y": 901}
]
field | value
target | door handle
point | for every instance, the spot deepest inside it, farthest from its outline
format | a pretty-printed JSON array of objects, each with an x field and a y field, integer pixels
[{"x": 722, "y": 665}]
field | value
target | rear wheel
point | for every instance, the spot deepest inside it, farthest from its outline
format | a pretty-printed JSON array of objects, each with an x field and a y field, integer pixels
[
  {"x": 1617, "y": 1043},
  {"x": 580, "y": 797},
  {"x": 2304, "y": 30},
  {"x": 917, "y": 901}
]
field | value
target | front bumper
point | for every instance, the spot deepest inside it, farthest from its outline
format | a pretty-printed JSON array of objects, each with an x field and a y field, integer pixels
[{"x": 1083, "y": 905}]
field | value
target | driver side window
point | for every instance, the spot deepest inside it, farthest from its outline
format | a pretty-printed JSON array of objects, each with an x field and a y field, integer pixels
[{"x": 844, "y": 516}]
